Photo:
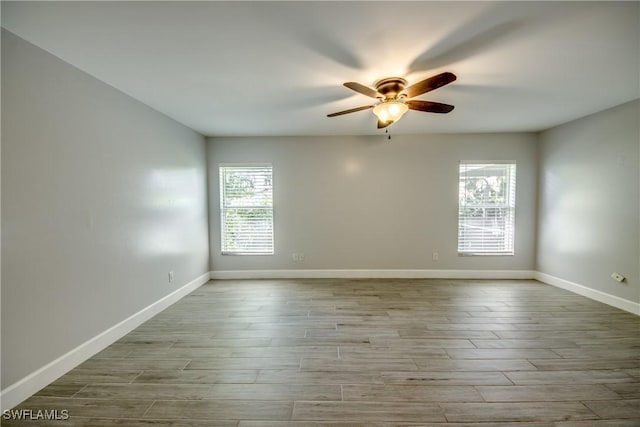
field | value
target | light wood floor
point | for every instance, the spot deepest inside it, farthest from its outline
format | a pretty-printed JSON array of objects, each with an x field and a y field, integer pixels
[{"x": 364, "y": 353}]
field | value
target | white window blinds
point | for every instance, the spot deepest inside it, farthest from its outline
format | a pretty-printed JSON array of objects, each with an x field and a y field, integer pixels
[
  {"x": 246, "y": 210},
  {"x": 486, "y": 210}
]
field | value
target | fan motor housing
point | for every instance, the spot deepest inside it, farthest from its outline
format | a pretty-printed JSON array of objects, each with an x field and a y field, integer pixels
[{"x": 391, "y": 87}]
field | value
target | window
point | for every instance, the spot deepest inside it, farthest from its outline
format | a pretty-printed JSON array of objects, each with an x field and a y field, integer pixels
[
  {"x": 486, "y": 210},
  {"x": 246, "y": 210}
]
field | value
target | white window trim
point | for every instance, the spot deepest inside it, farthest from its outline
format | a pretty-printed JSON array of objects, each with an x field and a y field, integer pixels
[
  {"x": 220, "y": 201},
  {"x": 512, "y": 208}
]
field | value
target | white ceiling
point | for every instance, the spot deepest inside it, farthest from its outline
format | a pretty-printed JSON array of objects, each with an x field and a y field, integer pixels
[{"x": 277, "y": 68}]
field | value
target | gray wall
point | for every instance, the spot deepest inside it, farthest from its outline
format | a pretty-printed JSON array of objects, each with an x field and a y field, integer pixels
[
  {"x": 368, "y": 203},
  {"x": 588, "y": 203},
  {"x": 101, "y": 196}
]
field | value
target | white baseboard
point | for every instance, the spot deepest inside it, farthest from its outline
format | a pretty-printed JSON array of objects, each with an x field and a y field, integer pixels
[
  {"x": 32, "y": 383},
  {"x": 621, "y": 303},
  {"x": 372, "y": 274}
]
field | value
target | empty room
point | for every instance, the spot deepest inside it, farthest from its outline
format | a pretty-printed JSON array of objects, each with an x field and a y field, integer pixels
[{"x": 320, "y": 214}]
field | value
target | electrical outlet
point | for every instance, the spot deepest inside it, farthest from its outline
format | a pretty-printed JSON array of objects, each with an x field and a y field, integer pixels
[
  {"x": 301, "y": 256},
  {"x": 617, "y": 277},
  {"x": 435, "y": 256},
  {"x": 295, "y": 256},
  {"x": 170, "y": 276}
]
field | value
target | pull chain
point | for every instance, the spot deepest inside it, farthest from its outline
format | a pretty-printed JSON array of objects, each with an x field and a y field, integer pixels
[{"x": 388, "y": 133}]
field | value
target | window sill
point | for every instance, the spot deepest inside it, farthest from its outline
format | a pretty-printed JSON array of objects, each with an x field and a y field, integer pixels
[
  {"x": 246, "y": 253},
  {"x": 465, "y": 254}
]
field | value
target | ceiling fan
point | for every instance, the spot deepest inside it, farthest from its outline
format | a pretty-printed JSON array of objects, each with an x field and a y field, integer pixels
[{"x": 393, "y": 95}]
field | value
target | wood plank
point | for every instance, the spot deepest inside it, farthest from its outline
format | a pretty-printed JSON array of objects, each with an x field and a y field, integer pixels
[
  {"x": 444, "y": 378},
  {"x": 290, "y": 362},
  {"x": 367, "y": 411},
  {"x": 598, "y": 423},
  {"x": 369, "y": 352},
  {"x": 286, "y": 351},
  {"x": 568, "y": 377},
  {"x": 223, "y": 342},
  {"x": 626, "y": 390},
  {"x": 426, "y": 333},
  {"x": 410, "y": 393},
  {"x": 388, "y": 424},
  {"x": 616, "y": 408},
  {"x": 545, "y": 393},
  {"x": 112, "y": 408},
  {"x": 134, "y": 364},
  {"x": 501, "y": 353},
  {"x": 86, "y": 376},
  {"x": 220, "y": 410},
  {"x": 524, "y": 343},
  {"x": 420, "y": 343},
  {"x": 517, "y": 412},
  {"x": 583, "y": 364},
  {"x": 60, "y": 390},
  {"x": 498, "y": 365},
  {"x": 193, "y": 376},
  {"x": 286, "y": 376},
  {"x": 128, "y": 422},
  {"x": 600, "y": 352},
  {"x": 357, "y": 365},
  {"x": 145, "y": 391},
  {"x": 275, "y": 392}
]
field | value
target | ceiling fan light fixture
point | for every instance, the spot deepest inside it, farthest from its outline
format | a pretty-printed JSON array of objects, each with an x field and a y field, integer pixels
[
  {"x": 390, "y": 111},
  {"x": 394, "y": 99}
]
